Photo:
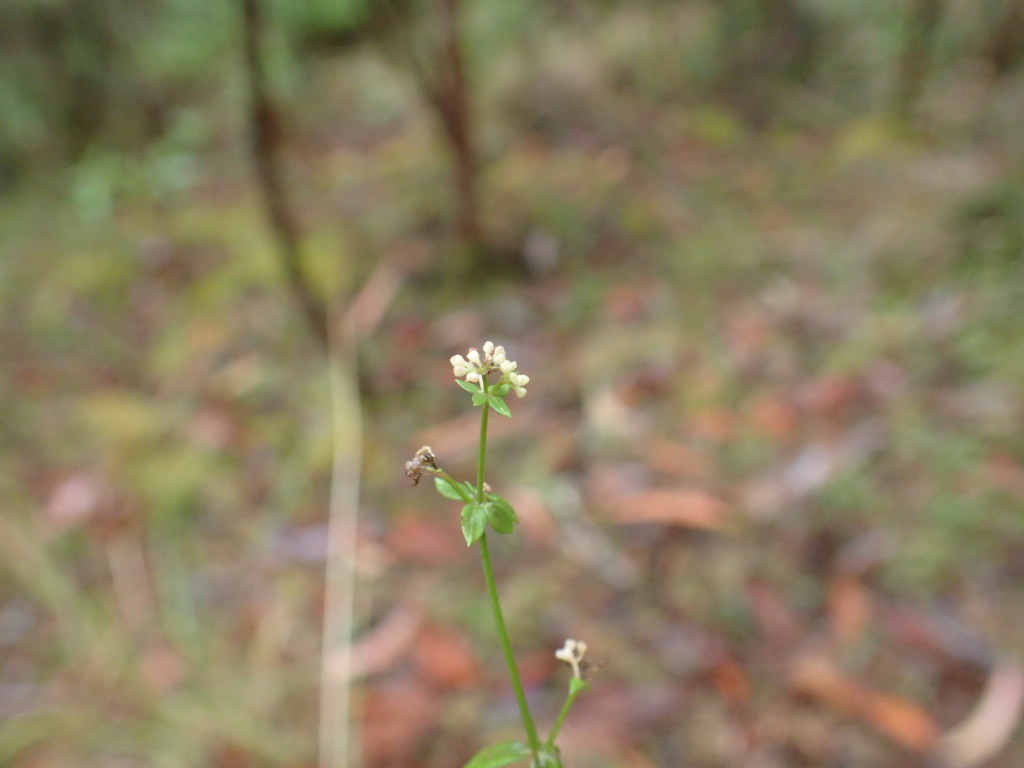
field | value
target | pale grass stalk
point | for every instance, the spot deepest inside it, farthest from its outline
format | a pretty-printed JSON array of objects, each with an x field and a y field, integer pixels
[{"x": 338, "y": 739}]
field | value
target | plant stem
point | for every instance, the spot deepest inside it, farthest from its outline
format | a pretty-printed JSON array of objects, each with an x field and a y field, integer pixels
[
  {"x": 573, "y": 693},
  {"x": 492, "y": 594},
  {"x": 506, "y": 647},
  {"x": 481, "y": 456}
]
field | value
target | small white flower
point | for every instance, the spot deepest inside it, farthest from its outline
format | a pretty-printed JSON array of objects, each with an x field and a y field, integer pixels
[
  {"x": 474, "y": 367},
  {"x": 572, "y": 653}
]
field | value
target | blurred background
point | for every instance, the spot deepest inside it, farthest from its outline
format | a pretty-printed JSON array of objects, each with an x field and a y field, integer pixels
[{"x": 762, "y": 260}]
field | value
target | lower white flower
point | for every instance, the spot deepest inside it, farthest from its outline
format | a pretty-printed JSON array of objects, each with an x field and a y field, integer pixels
[{"x": 573, "y": 653}]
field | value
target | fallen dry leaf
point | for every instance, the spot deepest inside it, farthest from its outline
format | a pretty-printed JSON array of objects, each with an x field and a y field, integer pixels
[
  {"x": 675, "y": 459},
  {"x": 730, "y": 680},
  {"x": 901, "y": 721},
  {"x": 425, "y": 541},
  {"x": 445, "y": 659},
  {"x": 849, "y": 608},
  {"x": 685, "y": 507},
  {"x": 991, "y": 725},
  {"x": 715, "y": 425},
  {"x": 397, "y": 717},
  {"x": 379, "y": 648},
  {"x": 773, "y": 416}
]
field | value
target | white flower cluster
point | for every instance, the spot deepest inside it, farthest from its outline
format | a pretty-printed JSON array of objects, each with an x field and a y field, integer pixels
[
  {"x": 474, "y": 367},
  {"x": 573, "y": 653}
]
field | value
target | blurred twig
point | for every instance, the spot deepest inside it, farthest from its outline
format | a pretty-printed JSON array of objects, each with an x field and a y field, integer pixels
[
  {"x": 264, "y": 125},
  {"x": 337, "y": 670},
  {"x": 339, "y": 589}
]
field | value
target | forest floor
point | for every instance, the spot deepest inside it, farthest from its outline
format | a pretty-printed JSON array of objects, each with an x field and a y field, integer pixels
[{"x": 770, "y": 467}]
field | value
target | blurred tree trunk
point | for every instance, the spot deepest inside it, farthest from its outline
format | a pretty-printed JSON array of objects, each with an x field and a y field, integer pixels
[
  {"x": 427, "y": 38},
  {"x": 439, "y": 67},
  {"x": 450, "y": 96},
  {"x": 1006, "y": 47},
  {"x": 764, "y": 43},
  {"x": 264, "y": 125},
  {"x": 922, "y": 23}
]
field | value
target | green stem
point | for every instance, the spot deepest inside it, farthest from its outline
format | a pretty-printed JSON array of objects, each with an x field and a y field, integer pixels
[
  {"x": 481, "y": 455},
  {"x": 506, "y": 648},
  {"x": 492, "y": 594},
  {"x": 574, "y": 691}
]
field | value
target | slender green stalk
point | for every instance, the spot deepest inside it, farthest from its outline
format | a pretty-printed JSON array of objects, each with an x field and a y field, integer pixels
[
  {"x": 481, "y": 456},
  {"x": 492, "y": 594},
  {"x": 574, "y": 691},
  {"x": 506, "y": 648}
]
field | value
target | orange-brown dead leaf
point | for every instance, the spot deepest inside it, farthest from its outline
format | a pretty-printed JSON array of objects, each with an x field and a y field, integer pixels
[
  {"x": 849, "y": 608},
  {"x": 713, "y": 424},
  {"x": 901, "y": 721},
  {"x": 379, "y": 648},
  {"x": 397, "y": 717},
  {"x": 685, "y": 507},
  {"x": 730, "y": 680},
  {"x": 773, "y": 416},
  {"x": 445, "y": 658},
  {"x": 675, "y": 459},
  {"x": 430, "y": 542}
]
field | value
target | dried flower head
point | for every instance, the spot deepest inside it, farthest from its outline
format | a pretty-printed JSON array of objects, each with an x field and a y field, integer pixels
[{"x": 423, "y": 461}]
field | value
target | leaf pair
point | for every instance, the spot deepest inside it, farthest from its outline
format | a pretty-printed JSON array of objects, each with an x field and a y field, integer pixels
[
  {"x": 494, "y": 510},
  {"x": 493, "y": 397},
  {"x": 509, "y": 752},
  {"x": 476, "y": 515}
]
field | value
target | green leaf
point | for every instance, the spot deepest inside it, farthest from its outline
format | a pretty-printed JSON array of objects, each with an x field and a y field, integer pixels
[
  {"x": 495, "y": 756},
  {"x": 474, "y": 522},
  {"x": 503, "y": 518},
  {"x": 474, "y": 388},
  {"x": 448, "y": 490},
  {"x": 480, "y": 398},
  {"x": 501, "y": 389},
  {"x": 499, "y": 405}
]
